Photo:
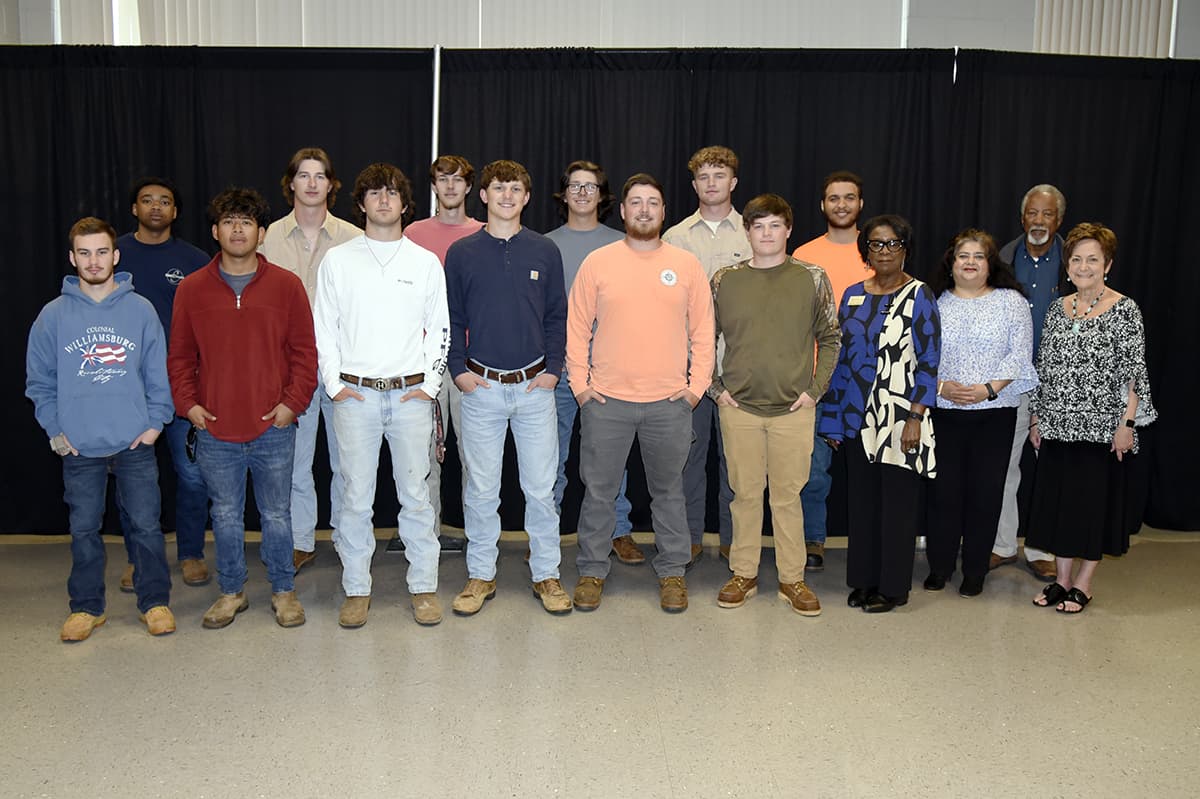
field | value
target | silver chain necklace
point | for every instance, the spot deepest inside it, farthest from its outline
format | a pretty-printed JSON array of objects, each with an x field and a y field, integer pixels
[
  {"x": 382, "y": 264},
  {"x": 1076, "y": 316}
]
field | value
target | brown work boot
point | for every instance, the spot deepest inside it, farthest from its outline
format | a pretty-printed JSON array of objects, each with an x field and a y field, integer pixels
[
  {"x": 723, "y": 552},
  {"x": 801, "y": 598},
  {"x": 697, "y": 555},
  {"x": 627, "y": 550},
  {"x": 127, "y": 579},
  {"x": 736, "y": 591},
  {"x": 554, "y": 598},
  {"x": 471, "y": 598},
  {"x": 221, "y": 613},
  {"x": 427, "y": 610},
  {"x": 288, "y": 611},
  {"x": 300, "y": 559},
  {"x": 159, "y": 620},
  {"x": 672, "y": 594},
  {"x": 195, "y": 571},
  {"x": 587, "y": 593},
  {"x": 354, "y": 612},
  {"x": 79, "y": 626}
]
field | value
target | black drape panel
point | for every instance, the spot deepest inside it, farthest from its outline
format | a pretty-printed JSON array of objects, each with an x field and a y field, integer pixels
[
  {"x": 1117, "y": 136},
  {"x": 792, "y": 117},
  {"x": 80, "y": 123}
]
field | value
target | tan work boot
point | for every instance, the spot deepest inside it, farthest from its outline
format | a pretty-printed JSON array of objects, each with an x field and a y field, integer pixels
[
  {"x": 736, "y": 591},
  {"x": 195, "y": 571},
  {"x": 471, "y": 598},
  {"x": 672, "y": 594},
  {"x": 801, "y": 598},
  {"x": 288, "y": 611},
  {"x": 159, "y": 620},
  {"x": 127, "y": 579},
  {"x": 587, "y": 593},
  {"x": 300, "y": 559},
  {"x": 79, "y": 626},
  {"x": 222, "y": 612},
  {"x": 354, "y": 612},
  {"x": 427, "y": 609},
  {"x": 554, "y": 598},
  {"x": 627, "y": 550}
]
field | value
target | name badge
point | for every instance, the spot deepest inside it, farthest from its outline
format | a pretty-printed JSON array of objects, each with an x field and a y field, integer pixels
[
  {"x": 533, "y": 274},
  {"x": 856, "y": 300}
]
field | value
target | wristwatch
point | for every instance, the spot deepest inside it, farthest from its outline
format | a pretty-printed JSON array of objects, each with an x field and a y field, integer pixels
[
  {"x": 991, "y": 391},
  {"x": 1129, "y": 423},
  {"x": 916, "y": 417}
]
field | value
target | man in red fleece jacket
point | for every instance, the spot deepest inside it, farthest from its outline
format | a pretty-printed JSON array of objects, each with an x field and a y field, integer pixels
[{"x": 242, "y": 363}]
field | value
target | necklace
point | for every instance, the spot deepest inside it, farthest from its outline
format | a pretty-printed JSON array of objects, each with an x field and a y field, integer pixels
[
  {"x": 1076, "y": 316},
  {"x": 382, "y": 264}
]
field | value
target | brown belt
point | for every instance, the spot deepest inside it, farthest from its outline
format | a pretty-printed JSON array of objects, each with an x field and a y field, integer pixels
[
  {"x": 517, "y": 376},
  {"x": 384, "y": 383}
]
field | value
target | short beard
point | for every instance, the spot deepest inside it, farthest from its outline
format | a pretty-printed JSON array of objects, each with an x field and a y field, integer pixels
[
  {"x": 640, "y": 235},
  {"x": 1038, "y": 240},
  {"x": 833, "y": 223}
]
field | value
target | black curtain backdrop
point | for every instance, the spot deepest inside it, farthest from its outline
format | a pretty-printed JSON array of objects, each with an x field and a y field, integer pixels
[{"x": 948, "y": 141}]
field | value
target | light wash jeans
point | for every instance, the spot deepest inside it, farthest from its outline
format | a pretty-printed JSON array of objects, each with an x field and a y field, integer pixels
[
  {"x": 487, "y": 413},
  {"x": 568, "y": 409},
  {"x": 304, "y": 489},
  {"x": 225, "y": 464},
  {"x": 407, "y": 426}
]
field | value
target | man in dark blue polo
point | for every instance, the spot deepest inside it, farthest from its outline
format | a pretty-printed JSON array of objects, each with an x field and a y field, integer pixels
[{"x": 508, "y": 315}]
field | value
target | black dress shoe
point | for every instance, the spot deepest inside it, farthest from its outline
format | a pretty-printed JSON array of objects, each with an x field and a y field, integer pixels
[
  {"x": 814, "y": 562},
  {"x": 971, "y": 586},
  {"x": 858, "y": 597},
  {"x": 934, "y": 582},
  {"x": 878, "y": 603}
]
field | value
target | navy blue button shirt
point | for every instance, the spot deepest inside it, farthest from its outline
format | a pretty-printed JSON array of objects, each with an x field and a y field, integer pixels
[
  {"x": 1040, "y": 279},
  {"x": 508, "y": 306}
]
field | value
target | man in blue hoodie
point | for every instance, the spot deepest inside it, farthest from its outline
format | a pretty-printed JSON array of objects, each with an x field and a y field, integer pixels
[{"x": 96, "y": 371}]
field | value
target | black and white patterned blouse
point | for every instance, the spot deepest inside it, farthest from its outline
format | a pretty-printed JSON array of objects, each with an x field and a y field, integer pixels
[{"x": 1084, "y": 368}]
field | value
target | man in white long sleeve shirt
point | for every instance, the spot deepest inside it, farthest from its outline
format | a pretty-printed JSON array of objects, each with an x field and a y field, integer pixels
[{"x": 382, "y": 336}]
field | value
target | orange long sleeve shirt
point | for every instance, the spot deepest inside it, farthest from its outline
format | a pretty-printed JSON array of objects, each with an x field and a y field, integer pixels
[{"x": 640, "y": 314}]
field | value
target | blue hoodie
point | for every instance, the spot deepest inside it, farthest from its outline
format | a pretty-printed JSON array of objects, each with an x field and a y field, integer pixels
[{"x": 97, "y": 371}]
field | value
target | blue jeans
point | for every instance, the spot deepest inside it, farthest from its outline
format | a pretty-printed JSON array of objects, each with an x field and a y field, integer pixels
[
  {"x": 487, "y": 413},
  {"x": 85, "y": 481},
  {"x": 361, "y": 427},
  {"x": 816, "y": 490},
  {"x": 695, "y": 475},
  {"x": 304, "y": 489},
  {"x": 268, "y": 460},
  {"x": 191, "y": 497},
  {"x": 568, "y": 409}
]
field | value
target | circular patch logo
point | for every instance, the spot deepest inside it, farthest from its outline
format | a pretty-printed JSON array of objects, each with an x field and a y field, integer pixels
[
  {"x": 174, "y": 276},
  {"x": 668, "y": 277}
]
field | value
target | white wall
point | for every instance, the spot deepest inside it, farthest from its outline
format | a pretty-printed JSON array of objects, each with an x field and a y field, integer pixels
[
  {"x": 1187, "y": 29},
  {"x": 972, "y": 24}
]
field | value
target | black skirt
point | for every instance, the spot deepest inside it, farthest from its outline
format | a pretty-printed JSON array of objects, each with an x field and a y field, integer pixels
[{"x": 1081, "y": 502}]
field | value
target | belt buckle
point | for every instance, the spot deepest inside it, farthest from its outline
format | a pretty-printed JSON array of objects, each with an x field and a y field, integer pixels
[{"x": 380, "y": 385}]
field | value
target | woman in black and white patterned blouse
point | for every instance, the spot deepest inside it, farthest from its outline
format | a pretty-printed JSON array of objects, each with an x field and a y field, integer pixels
[{"x": 1093, "y": 394}]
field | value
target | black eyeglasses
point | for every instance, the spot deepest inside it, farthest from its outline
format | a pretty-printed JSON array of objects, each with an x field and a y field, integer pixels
[
  {"x": 877, "y": 245},
  {"x": 580, "y": 188},
  {"x": 190, "y": 445}
]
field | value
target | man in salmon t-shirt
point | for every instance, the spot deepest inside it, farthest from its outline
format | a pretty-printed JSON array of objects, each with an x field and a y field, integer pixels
[
  {"x": 835, "y": 251},
  {"x": 637, "y": 307}
]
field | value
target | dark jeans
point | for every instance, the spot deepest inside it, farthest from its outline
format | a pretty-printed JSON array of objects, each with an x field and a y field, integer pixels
[
  {"x": 695, "y": 475},
  {"x": 965, "y": 499},
  {"x": 191, "y": 497},
  {"x": 268, "y": 460},
  {"x": 86, "y": 481},
  {"x": 606, "y": 434}
]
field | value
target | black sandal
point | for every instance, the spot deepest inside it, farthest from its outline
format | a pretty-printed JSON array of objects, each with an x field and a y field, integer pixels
[
  {"x": 1078, "y": 597},
  {"x": 1054, "y": 594}
]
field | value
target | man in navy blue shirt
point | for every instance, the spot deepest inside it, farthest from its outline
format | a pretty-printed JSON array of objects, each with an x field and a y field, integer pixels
[
  {"x": 158, "y": 262},
  {"x": 1036, "y": 257},
  {"x": 508, "y": 315}
]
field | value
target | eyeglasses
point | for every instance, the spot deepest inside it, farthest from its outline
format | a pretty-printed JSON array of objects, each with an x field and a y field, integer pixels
[
  {"x": 582, "y": 188},
  {"x": 876, "y": 245}
]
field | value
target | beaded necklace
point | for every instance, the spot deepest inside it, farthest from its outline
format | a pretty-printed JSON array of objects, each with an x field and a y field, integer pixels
[{"x": 1076, "y": 316}]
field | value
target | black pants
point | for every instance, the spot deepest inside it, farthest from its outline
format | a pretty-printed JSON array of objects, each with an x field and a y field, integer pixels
[
  {"x": 972, "y": 461},
  {"x": 883, "y": 518}
]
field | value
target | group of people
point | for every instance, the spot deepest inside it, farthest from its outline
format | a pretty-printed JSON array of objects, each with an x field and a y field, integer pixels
[{"x": 709, "y": 329}]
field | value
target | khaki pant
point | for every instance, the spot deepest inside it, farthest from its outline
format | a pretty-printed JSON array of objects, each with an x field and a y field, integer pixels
[{"x": 762, "y": 449}]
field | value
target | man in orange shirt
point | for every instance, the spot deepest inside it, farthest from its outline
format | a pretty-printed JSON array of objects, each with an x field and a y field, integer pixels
[
  {"x": 835, "y": 251},
  {"x": 637, "y": 307}
]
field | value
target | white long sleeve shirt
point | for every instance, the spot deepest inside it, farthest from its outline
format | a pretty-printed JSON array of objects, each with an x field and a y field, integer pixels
[{"x": 381, "y": 312}]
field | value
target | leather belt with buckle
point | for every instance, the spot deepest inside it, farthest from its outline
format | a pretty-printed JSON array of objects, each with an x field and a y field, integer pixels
[
  {"x": 384, "y": 383},
  {"x": 517, "y": 376}
]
